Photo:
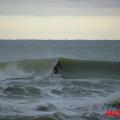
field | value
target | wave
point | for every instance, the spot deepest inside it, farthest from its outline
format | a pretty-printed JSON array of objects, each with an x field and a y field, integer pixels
[
  {"x": 67, "y": 68},
  {"x": 83, "y": 68}
]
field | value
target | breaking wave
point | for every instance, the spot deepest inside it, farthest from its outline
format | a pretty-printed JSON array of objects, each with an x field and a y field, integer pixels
[{"x": 70, "y": 68}]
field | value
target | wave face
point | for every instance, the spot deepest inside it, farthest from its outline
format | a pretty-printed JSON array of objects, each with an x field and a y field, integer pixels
[
  {"x": 69, "y": 68},
  {"x": 86, "y": 69}
]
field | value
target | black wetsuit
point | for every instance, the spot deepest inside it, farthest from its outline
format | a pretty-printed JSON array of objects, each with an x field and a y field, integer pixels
[{"x": 57, "y": 67}]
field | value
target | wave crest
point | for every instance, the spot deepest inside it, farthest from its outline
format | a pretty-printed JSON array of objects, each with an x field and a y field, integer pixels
[{"x": 70, "y": 68}]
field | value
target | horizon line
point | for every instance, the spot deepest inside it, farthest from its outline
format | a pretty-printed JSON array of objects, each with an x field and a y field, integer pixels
[{"x": 62, "y": 39}]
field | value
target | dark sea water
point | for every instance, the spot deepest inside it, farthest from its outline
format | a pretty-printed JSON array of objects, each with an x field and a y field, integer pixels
[{"x": 86, "y": 81}]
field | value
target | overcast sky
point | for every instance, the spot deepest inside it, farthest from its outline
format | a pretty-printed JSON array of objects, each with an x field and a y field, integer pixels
[
  {"x": 60, "y": 7},
  {"x": 60, "y": 19}
]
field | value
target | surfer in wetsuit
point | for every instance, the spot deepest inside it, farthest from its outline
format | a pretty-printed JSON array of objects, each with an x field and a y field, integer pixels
[{"x": 57, "y": 67}]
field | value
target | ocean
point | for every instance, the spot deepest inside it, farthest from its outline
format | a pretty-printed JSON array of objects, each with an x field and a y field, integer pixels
[{"x": 58, "y": 80}]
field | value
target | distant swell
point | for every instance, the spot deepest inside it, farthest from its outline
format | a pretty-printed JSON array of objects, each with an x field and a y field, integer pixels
[{"x": 70, "y": 68}]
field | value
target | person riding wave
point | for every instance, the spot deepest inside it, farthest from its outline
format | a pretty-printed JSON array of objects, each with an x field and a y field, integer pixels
[{"x": 57, "y": 67}]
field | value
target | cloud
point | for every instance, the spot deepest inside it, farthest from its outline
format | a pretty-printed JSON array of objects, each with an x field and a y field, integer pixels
[{"x": 59, "y": 7}]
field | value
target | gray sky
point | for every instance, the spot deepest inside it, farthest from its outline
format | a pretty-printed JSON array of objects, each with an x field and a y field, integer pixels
[
  {"x": 59, "y": 7},
  {"x": 59, "y": 19}
]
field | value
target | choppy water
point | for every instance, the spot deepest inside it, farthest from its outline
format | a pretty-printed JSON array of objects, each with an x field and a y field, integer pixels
[{"x": 89, "y": 78}]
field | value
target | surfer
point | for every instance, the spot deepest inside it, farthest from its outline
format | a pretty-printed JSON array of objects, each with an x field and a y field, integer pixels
[{"x": 57, "y": 67}]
